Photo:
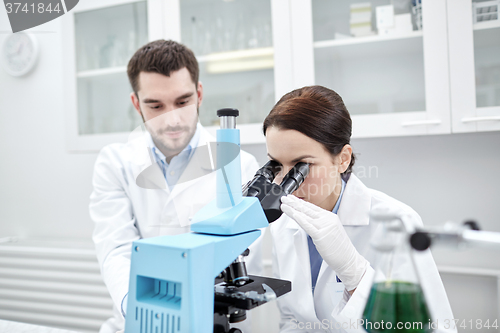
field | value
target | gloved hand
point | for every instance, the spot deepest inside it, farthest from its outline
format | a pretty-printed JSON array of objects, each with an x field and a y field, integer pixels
[{"x": 330, "y": 238}]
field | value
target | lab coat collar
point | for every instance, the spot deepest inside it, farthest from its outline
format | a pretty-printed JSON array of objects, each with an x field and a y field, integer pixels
[
  {"x": 355, "y": 205},
  {"x": 141, "y": 156},
  {"x": 205, "y": 139},
  {"x": 199, "y": 164}
]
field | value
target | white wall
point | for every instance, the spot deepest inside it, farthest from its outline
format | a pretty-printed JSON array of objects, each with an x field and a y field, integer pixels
[{"x": 44, "y": 190}]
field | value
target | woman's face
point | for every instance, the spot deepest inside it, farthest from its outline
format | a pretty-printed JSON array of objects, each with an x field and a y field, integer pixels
[{"x": 323, "y": 184}]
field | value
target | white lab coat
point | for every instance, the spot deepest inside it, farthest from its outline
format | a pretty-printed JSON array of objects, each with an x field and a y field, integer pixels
[
  {"x": 124, "y": 212},
  {"x": 300, "y": 309}
]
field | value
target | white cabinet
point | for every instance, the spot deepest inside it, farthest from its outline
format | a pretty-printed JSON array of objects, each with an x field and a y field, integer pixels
[
  {"x": 440, "y": 75},
  {"x": 475, "y": 65},
  {"x": 98, "y": 39},
  {"x": 394, "y": 82}
]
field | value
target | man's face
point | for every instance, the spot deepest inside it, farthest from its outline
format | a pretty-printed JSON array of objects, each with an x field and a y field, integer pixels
[{"x": 169, "y": 107}]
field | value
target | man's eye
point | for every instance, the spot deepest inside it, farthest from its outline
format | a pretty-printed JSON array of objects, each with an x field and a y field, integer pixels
[
  {"x": 155, "y": 107},
  {"x": 183, "y": 102}
]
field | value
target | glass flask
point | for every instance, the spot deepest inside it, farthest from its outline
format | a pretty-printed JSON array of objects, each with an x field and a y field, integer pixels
[{"x": 396, "y": 302}]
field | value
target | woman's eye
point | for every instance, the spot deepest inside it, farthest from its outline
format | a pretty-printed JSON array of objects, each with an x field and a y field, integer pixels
[{"x": 310, "y": 164}]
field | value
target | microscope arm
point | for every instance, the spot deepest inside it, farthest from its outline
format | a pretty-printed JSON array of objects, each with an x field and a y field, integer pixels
[{"x": 453, "y": 235}]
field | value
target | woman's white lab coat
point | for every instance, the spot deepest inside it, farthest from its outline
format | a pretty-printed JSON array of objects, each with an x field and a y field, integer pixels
[
  {"x": 124, "y": 212},
  {"x": 331, "y": 307}
]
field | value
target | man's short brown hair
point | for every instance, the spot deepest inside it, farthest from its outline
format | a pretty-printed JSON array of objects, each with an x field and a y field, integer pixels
[{"x": 162, "y": 57}]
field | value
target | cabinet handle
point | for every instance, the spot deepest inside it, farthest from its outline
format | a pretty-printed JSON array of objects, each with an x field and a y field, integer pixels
[
  {"x": 421, "y": 122},
  {"x": 474, "y": 119}
]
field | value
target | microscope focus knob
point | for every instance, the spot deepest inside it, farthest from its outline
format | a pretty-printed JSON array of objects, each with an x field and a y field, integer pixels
[{"x": 420, "y": 241}]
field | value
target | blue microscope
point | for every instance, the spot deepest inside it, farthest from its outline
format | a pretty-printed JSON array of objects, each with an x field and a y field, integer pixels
[{"x": 197, "y": 282}]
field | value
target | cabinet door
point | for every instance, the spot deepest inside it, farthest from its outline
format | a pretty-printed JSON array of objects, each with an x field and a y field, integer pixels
[
  {"x": 233, "y": 42},
  {"x": 474, "y": 29},
  {"x": 99, "y": 38},
  {"x": 388, "y": 63}
]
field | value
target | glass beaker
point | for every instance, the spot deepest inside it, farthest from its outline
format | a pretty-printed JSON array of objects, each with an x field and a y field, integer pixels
[{"x": 396, "y": 302}]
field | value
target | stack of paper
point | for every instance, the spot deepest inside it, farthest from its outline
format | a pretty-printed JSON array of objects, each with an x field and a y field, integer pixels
[{"x": 361, "y": 19}]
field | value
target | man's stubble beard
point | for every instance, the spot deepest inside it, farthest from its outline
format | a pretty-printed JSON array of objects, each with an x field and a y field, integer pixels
[{"x": 171, "y": 147}]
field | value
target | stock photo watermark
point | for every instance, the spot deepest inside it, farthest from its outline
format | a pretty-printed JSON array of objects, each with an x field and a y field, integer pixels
[
  {"x": 325, "y": 324},
  {"x": 26, "y": 14}
]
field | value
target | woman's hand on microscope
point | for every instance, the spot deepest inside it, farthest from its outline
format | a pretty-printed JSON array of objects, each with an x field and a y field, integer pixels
[{"x": 330, "y": 238}]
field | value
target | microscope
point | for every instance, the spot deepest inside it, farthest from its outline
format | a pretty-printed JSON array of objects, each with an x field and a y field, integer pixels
[{"x": 197, "y": 282}]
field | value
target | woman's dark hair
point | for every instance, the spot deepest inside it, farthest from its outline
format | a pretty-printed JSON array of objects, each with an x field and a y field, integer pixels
[
  {"x": 316, "y": 112},
  {"x": 162, "y": 57}
]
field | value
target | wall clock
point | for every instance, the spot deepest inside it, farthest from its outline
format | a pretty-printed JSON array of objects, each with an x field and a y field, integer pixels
[{"x": 19, "y": 53}]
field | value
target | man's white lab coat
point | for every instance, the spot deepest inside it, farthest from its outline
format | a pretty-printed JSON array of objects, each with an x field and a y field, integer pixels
[
  {"x": 331, "y": 306},
  {"x": 124, "y": 212}
]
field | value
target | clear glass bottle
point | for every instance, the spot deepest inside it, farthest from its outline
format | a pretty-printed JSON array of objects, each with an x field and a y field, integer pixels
[{"x": 396, "y": 302}]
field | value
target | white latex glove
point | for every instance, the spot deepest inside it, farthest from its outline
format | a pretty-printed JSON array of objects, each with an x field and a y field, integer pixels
[{"x": 330, "y": 238}]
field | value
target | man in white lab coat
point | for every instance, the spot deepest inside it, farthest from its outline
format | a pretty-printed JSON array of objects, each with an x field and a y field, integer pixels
[{"x": 153, "y": 184}]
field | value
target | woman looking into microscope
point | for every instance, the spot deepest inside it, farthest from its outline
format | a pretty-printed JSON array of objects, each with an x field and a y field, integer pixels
[{"x": 321, "y": 242}]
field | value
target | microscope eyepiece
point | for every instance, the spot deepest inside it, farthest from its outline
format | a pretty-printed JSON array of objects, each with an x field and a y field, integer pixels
[
  {"x": 228, "y": 112},
  {"x": 262, "y": 180},
  {"x": 269, "y": 170},
  {"x": 269, "y": 193},
  {"x": 294, "y": 178}
]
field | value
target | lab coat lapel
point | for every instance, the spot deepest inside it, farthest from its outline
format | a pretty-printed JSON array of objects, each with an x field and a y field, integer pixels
[
  {"x": 356, "y": 203},
  {"x": 301, "y": 249},
  {"x": 300, "y": 246},
  {"x": 199, "y": 165},
  {"x": 195, "y": 187},
  {"x": 146, "y": 172},
  {"x": 354, "y": 210}
]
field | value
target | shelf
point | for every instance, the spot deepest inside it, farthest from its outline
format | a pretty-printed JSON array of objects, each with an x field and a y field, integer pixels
[
  {"x": 263, "y": 58},
  {"x": 487, "y": 25},
  {"x": 238, "y": 54},
  {"x": 101, "y": 72},
  {"x": 487, "y": 35},
  {"x": 366, "y": 49},
  {"x": 364, "y": 40},
  {"x": 239, "y": 61}
]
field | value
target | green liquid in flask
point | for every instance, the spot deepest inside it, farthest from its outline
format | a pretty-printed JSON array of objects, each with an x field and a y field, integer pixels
[{"x": 396, "y": 307}]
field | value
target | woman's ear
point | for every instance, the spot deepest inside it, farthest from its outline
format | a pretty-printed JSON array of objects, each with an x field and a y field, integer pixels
[{"x": 345, "y": 158}]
